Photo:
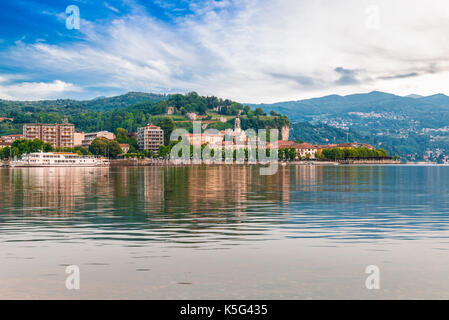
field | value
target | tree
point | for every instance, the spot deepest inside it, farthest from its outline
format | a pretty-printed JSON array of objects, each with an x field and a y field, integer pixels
[
  {"x": 259, "y": 112},
  {"x": 168, "y": 126},
  {"x": 353, "y": 153},
  {"x": 164, "y": 151},
  {"x": 292, "y": 153},
  {"x": 28, "y": 146},
  {"x": 121, "y": 135},
  {"x": 5, "y": 153},
  {"x": 105, "y": 147},
  {"x": 281, "y": 154},
  {"x": 382, "y": 152},
  {"x": 183, "y": 111}
]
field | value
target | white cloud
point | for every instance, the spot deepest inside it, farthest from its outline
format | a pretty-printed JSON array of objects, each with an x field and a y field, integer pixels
[
  {"x": 260, "y": 50},
  {"x": 107, "y": 5},
  {"x": 35, "y": 90}
]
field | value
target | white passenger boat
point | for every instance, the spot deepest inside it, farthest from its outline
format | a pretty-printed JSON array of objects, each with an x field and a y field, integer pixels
[{"x": 59, "y": 159}]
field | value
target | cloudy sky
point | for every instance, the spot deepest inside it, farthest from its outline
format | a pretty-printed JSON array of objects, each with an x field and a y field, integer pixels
[{"x": 246, "y": 50}]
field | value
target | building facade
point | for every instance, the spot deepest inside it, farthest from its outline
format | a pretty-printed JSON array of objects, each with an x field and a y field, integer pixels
[
  {"x": 306, "y": 150},
  {"x": 11, "y": 138},
  {"x": 89, "y": 137},
  {"x": 150, "y": 138},
  {"x": 78, "y": 139},
  {"x": 58, "y": 135},
  {"x": 303, "y": 150}
]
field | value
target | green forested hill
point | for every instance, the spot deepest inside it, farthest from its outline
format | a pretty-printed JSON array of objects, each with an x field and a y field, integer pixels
[
  {"x": 133, "y": 110},
  {"x": 324, "y": 134},
  {"x": 414, "y": 127}
]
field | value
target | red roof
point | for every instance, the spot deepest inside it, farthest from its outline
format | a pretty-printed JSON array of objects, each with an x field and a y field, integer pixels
[
  {"x": 344, "y": 145},
  {"x": 291, "y": 144},
  {"x": 287, "y": 144},
  {"x": 305, "y": 146}
]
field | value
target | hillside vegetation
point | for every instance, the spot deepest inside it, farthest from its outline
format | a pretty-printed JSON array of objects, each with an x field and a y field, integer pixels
[
  {"x": 134, "y": 110},
  {"x": 414, "y": 127}
]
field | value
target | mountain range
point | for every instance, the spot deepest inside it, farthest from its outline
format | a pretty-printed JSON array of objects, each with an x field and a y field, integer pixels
[{"x": 414, "y": 127}]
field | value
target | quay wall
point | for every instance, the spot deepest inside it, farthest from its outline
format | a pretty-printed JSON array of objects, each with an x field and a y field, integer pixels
[{"x": 370, "y": 161}]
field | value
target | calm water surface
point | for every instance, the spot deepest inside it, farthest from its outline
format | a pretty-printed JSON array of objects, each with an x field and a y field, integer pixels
[{"x": 225, "y": 232}]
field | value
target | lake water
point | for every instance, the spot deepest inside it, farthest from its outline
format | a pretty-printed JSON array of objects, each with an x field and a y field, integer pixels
[{"x": 225, "y": 232}]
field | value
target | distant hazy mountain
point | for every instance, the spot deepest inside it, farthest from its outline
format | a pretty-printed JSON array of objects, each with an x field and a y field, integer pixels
[
  {"x": 413, "y": 127},
  {"x": 414, "y": 96}
]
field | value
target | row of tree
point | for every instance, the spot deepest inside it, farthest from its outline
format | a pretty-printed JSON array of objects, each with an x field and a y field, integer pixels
[
  {"x": 20, "y": 147},
  {"x": 353, "y": 153}
]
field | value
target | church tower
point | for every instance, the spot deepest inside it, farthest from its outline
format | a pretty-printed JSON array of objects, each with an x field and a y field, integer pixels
[{"x": 237, "y": 127}]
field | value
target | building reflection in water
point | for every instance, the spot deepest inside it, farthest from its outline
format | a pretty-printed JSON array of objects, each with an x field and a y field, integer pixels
[
  {"x": 172, "y": 202},
  {"x": 151, "y": 190},
  {"x": 196, "y": 190},
  {"x": 51, "y": 190}
]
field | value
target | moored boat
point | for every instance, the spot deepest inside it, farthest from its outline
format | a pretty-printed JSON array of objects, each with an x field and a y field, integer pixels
[{"x": 59, "y": 159}]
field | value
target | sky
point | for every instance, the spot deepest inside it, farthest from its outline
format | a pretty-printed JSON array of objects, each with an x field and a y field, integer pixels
[{"x": 251, "y": 51}]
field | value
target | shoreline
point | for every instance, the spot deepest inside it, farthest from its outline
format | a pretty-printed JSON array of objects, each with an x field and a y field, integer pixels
[
  {"x": 169, "y": 163},
  {"x": 157, "y": 162}
]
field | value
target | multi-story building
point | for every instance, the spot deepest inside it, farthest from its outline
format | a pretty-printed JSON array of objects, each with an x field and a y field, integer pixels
[
  {"x": 58, "y": 135},
  {"x": 150, "y": 138},
  {"x": 89, "y": 137},
  {"x": 11, "y": 138},
  {"x": 211, "y": 139},
  {"x": 78, "y": 139},
  {"x": 303, "y": 150}
]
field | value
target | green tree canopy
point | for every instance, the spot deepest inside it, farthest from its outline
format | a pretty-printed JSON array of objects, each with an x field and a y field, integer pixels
[{"x": 105, "y": 147}]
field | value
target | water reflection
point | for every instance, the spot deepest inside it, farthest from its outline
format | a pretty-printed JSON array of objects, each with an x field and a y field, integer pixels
[{"x": 223, "y": 204}]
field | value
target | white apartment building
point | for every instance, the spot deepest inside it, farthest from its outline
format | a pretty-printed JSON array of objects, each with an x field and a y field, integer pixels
[{"x": 150, "y": 138}]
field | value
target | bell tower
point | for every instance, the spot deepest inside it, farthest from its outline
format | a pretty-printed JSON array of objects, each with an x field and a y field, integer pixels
[{"x": 237, "y": 126}]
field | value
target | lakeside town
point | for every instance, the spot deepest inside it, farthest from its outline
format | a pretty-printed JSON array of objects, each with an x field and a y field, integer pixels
[{"x": 148, "y": 143}]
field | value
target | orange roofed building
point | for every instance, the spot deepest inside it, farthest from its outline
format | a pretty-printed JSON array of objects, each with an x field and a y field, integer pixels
[{"x": 302, "y": 149}]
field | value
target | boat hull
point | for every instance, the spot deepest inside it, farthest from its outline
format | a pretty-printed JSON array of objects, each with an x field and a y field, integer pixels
[{"x": 58, "y": 166}]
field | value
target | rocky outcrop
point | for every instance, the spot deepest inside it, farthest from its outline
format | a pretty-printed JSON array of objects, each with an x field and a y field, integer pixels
[{"x": 285, "y": 133}]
